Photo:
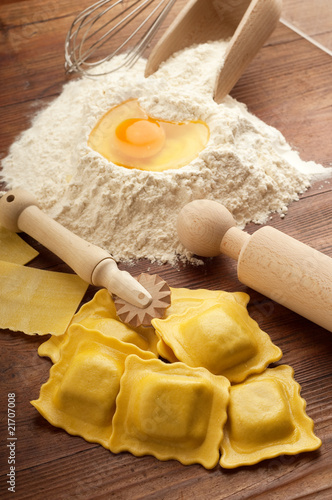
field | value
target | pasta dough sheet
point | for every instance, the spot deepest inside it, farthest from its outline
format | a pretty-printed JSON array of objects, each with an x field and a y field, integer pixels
[
  {"x": 38, "y": 302},
  {"x": 14, "y": 249}
]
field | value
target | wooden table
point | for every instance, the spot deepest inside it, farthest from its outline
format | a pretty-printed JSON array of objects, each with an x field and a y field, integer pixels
[{"x": 288, "y": 85}]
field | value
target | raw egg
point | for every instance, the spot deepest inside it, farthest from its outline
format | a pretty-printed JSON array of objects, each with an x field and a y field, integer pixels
[{"x": 127, "y": 136}]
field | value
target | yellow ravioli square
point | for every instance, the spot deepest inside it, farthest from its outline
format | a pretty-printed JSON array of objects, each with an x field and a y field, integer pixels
[
  {"x": 14, "y": 249},
  {"x": 263, "y": 401},
  {"x": 100, "y": 314},
  {"x": 219, "y": 336},
  {"x": 90, "y": 398},
  {"x": 38, "y": 302},
  {"x": 218, "y": 339},
  {"x": 185, "y": 298},
  {"x": 170, "y": 411},
  {"x": 81, "y": 392},
  {"x": 266, "y": 418},
  {"x": 172, "y": 394}
]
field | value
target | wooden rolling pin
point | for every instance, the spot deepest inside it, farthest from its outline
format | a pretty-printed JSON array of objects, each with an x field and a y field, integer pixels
[
  {"x": 19, "y": 212},
  {"x": 276, "y": 265}
]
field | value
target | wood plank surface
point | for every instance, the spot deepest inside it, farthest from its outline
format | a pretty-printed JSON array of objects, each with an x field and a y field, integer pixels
[{"x": 288, "y": 85}]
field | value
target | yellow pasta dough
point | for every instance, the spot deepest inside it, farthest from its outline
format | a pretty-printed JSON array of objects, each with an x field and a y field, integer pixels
[
  {"x": 51, "y": 348},
  {"x": 266, "y": 418},
  {"x": 14, "y": 249},
  {"x": 183, "y": 299},
  {"x": 81, "y": 391},
  {"x": 38, "y": 302},
  {"x": 100, "y": 314},
  {"x": 166, "y": 352},
  {"x": 170, "y": 411},
  {"x": 220, "y": 336}
]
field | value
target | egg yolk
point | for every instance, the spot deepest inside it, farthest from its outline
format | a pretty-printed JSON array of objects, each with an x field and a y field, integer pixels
[
  {"x": 140, "y": 138},
  {"x": 127, "y": 136}
]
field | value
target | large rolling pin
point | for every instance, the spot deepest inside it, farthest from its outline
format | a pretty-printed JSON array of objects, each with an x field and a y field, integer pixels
[
  {"x": 19, "y": 211},
  {"x": 276, "y": 265}
]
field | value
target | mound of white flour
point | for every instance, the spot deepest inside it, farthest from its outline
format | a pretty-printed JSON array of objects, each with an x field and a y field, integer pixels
[{"x": 132, "y": 213}]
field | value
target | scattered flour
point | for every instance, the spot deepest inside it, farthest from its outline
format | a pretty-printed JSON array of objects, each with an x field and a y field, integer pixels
[{"x": 247, "y": 165}]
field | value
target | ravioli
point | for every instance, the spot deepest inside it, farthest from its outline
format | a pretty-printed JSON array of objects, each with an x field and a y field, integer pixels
[
  {"x": 183, "y": 299},
  {"x": 81, "y": 391},
  {"x": 266, "y": 418},
  {"x": 100, "y": 314},
  {"x": 219, "y": 336},
  {"x": 170, "y": 411},
  {"x": 107, "y": 386}
]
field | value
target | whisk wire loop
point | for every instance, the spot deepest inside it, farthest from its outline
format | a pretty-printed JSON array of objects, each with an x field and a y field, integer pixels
[
  {"x": 98, "y": 24},
  {"x": 114, "y": 30}
]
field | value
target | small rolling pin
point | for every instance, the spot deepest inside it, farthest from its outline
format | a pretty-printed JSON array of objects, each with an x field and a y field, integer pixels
[
  {"x": 276, "y": 265},
  {"x": 19, "y": 212}
]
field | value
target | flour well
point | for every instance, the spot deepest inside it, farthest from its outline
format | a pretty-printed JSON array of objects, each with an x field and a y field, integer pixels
[{"x": 247, "y": 165}]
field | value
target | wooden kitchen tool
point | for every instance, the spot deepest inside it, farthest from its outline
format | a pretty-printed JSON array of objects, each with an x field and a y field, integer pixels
[
  {"x": 106, "y": 20},
  {"x": 19, "y": 212},
  {"x": 247, "y": 23},
  {"x": 136, "y": 316},
  {"x": 274, "y": 264}
]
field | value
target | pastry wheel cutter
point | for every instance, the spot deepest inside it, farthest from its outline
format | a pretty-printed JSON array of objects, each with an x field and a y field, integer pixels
[{"x": 137, "y": 301}]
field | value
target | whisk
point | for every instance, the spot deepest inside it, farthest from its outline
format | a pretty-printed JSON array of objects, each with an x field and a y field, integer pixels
[{"x": 101, "y": 22}]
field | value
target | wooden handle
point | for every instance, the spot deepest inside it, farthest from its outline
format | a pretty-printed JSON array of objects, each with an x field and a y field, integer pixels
[
  {"x": 19, "y": 212},
  {"x": 247, "y": 23},
  {"x": 184, "y": 32},
  {"x": 255, "y": 27},
  {"x": 274, "y": 264}
]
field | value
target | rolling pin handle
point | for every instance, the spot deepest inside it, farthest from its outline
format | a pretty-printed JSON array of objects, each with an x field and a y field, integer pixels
[
  {"x": 234, "y": 242},
  {"x": 270, "y": 262},
  {"x": 207, "y": 228},
  {"x": 202, "y": 225}
]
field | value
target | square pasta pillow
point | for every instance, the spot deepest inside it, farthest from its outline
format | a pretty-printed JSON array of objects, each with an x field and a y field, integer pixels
[
  {"x": 170, "y": 411},
  {"x": 266, "y": 418},
  {"x": 185, "y": 298},
  {"x": 83, "y": 385},
  {"x": 220, "y": 336}
]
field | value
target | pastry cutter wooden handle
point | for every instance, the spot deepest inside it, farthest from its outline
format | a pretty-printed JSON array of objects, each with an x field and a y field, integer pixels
[
  {"x": 274, "y": 264},
  {"x": 19, "y": 211}
]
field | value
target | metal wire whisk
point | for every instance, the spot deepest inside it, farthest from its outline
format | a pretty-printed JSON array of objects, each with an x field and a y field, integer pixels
[{"x": 98, "y": 24}]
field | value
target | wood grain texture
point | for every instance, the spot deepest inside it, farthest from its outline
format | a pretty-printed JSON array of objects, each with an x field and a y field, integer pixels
[{"x": 288, "y": 85}]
